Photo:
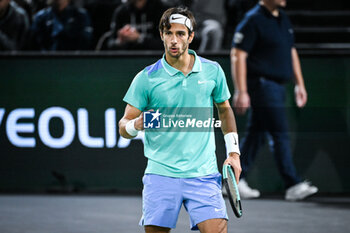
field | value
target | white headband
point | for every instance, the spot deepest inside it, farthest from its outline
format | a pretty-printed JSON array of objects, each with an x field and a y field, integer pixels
[{"x": 181, "y": 19}]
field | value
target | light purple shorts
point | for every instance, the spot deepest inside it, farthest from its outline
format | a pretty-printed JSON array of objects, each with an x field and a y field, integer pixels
[{"x": 163, "y": 197}]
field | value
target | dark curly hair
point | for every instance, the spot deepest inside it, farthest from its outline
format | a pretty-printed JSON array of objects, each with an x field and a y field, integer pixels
[{"x": 164, "y": 20}]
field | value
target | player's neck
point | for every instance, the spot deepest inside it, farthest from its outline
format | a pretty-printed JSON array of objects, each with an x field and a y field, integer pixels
[
  {"x": 184, "y": 63},
  {"x": 272, "y": 8}
]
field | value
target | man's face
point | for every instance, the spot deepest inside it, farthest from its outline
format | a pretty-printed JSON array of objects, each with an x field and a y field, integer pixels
[
  {"x": 277, "y": 3},
  {"x": 60, "y": 4},
  {"x": 3, "y": 5},
  {"x": 139, "y": 4},
  {"x": 176, "y": 40}
]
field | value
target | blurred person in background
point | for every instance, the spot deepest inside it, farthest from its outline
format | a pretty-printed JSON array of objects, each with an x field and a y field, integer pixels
[
  {"x": 100, "y": 12},
  {"x": 38, "y": 5},
  {"x": 263, "y": 59},
  {"x": 14, "y": 26},
  {"x": 234, "y": 12},
  {"x": 26, "y": 5},
  {"x": 61, "y": 26},
  {"x": 134, "y": 26},
  {"x": 210, "y": 20}
]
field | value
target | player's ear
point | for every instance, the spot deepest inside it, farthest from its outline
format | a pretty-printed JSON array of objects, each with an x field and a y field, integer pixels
[
  {"x": 190, "y": 37},
  {"x": 161, "y": 35}
]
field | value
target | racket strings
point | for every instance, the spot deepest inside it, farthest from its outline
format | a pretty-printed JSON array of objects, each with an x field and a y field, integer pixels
[{"x": 231, "y": 186}]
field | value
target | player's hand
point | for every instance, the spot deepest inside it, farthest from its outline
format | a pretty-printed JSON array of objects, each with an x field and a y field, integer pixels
[
  {"x": 235, "y": 162},
  {"x": 241, "y": 102},
  {"x": 300, "y": 95},
  {"x": 139, "y": 122}
]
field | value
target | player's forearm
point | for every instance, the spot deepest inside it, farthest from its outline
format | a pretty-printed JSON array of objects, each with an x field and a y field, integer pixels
[
  {"x": 131, "y": 123},
  {"x": 227, "y": 118},
  {"x": 129, "y": 128},
  {"x": 229, "y": 129},
  {"x": 122, "y": 128},
  {"x": 239, "y": 69},
  {"x": 298, "y": 76},
  {"x": 228, "y": 122}
]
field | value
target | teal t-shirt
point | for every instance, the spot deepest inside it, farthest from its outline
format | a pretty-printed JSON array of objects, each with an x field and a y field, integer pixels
[{"x": 188, "y": 152}]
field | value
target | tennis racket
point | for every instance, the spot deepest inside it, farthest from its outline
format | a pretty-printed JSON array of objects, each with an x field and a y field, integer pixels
[{"x": 232, "y": 190}]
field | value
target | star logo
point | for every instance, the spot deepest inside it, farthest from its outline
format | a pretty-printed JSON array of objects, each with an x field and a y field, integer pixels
[
  {"x": 151, "y": 119},
  {"x": 156, "y": 115}
]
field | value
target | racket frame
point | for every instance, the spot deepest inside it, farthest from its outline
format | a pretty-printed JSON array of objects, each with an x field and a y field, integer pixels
[{"x": 237, "y": 211}]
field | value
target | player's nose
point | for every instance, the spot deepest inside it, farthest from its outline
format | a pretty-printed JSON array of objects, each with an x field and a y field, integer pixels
[{"x": 173, "y": 40}]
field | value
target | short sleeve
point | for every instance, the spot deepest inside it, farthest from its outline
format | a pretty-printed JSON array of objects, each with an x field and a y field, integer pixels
[
  {"x": 221, "y": 91},
  {"x": 290, "y": 31},
  {"x": 245, "y": 35},
  {"x": 137, "y": 94}
]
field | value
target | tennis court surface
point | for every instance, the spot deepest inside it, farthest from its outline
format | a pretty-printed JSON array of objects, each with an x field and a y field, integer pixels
[{"x": 119, "y": 214}]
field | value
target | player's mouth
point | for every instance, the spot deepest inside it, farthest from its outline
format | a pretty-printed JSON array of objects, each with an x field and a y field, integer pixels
[{"x": 174, "y": 50}]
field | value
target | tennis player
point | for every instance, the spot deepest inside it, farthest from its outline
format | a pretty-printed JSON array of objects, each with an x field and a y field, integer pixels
[{"x": 182, "y": 166}]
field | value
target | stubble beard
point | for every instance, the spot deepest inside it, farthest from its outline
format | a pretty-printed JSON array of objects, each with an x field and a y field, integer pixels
[{"x": 180, "y": 52}]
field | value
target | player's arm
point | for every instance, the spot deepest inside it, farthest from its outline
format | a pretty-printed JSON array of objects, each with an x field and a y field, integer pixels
[
  {"x": 131, "y": 123},
  {"x": 229, "y": 129},
  {"x": 241, "y": 100},
  {"x": 299, "y": 90}
]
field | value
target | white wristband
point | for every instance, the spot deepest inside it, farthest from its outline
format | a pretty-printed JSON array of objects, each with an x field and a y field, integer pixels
[
  {"x": 130, "y": 128},
  {"x": 231, "y": 141}
]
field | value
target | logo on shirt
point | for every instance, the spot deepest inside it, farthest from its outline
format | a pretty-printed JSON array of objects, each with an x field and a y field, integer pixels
[
  {"x": 151, "y": 119},
  {"x": 238, "y": 37},
  {"x": 180, "y": 120}
]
